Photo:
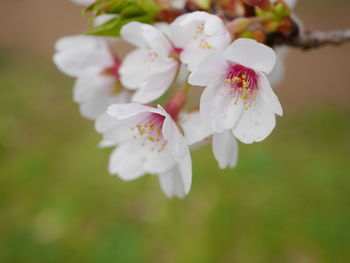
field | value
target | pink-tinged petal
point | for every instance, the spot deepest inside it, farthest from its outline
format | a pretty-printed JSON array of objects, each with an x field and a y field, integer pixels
[
  {"x": 268, "y": 95},
  {"x": 126, "y": 162},
  {"x": 134, "y": 69},
  {"x": 75, "y": 54},
  {"x": 212, "y": 69},
  {"x": 156, "y": 83},
  {"x": 194, "y": 128},
  {"x": 225, "y": 149},
  {"x": 157, "y": 40},
  {"x": 251, "y": 54},
  {"x": 123, "y": 111},
  {"x": 133, "y": 33},
  {"x": 218, "y": 109},
  {"x": 256, "y": 123},
  {"x": 172, "y": 184}
]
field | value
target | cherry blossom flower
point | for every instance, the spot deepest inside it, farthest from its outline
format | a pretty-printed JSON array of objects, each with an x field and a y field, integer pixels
[
  {"x": 152, "y": 67},
  {"x": 148, "y": 141},
  {"x": 90, "y": 60},
  {"x": 198, "y": 34},
  {"x": 238, "y": 96}
]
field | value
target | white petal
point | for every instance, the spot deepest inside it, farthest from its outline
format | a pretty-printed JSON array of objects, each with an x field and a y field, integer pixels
[
  {"x": 158, "y": 162},
  {"x": 178, "y": 148},
  {"x": 74, "y": 54},
  {"x": 192, "y": 55},
  {"x": 134, "y": 69},
  {"x": 211, "y": 69},
  {"x": 268, "y": 95},
  {"x": 171, "y": 183},
  {"x": 124, "y": 111},
  {"x": 157, "y": 40},
  {"x": 126, "y": 161},
  {"x": 132, "y": 33},
  {"x": 256, "y": 123},
  {"x": 194, "y": 128},
  {"x": 277, "y": 74},
  {"x": 93, "y": 92},
  {"x": 182, "y": 35},
  {"x": 225, "y": 149},
  {"x": 156, "y": 83},
  {"x": 218, "y": 109},
  {"x": 251, "y": 54}
]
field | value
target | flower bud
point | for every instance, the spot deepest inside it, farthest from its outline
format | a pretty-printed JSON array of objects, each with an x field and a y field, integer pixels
[{"x": 176, "y": 103}]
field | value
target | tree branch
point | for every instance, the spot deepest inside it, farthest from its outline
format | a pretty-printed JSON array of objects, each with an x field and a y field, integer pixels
[{"x": 313, "y": 39}]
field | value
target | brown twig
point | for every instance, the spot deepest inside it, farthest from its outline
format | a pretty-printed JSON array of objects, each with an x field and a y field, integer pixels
[{"x": 313, "y": 39}]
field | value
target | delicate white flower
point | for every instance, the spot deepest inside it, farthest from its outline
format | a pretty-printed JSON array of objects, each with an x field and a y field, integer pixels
[
  {"x": 90, "y": 60},
  {"x": 148, "y": 141},
  {"x": 152, "y": 67},
  {"x": 224, "y": 145},
  {"x": 238, "y": 95},
  {"x": 198, "y": 34}
]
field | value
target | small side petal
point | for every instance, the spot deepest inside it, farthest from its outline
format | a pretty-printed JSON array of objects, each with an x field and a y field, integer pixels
[
  {"x": 172, "y": 184},
  {"x": 268, "y": 95},
  {"x": 225, "y": 149}
]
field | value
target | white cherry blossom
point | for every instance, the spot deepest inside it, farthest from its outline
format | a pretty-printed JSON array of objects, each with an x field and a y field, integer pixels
[
  {"x": 151, "y": 68},
  {"x": 148, "y": 141},
  {"x": 198, "y": 34},
  {"x": 238, "y": 96},
  {"x": 90, "y": 60}
]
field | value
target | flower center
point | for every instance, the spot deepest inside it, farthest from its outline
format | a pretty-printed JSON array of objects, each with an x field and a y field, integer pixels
[
  {"x": 242, "y": 83},
  {"x": 175, "y": 53},
  {"x": 201, "y": 37},
  {"x": 149, "y": 130},
  {"x": 113, "y": 70}
]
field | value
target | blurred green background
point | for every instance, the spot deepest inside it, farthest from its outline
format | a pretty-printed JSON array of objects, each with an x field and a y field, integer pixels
[{"x": 287, "y": 201}]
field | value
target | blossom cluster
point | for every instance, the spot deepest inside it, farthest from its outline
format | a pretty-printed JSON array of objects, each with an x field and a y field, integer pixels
[{"x": 118, "y": 92}]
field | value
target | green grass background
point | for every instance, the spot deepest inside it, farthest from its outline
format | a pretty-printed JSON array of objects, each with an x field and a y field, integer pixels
[{"x": 287, "y": 201}]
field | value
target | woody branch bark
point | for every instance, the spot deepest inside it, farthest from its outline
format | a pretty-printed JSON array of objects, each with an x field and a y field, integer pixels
[{"x": 313, "y": 39}]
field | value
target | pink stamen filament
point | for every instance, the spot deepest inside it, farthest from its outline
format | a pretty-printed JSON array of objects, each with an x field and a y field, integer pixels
[
  {"x": 150, "y": 132},
  {"x": 242, "y": 82}
]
